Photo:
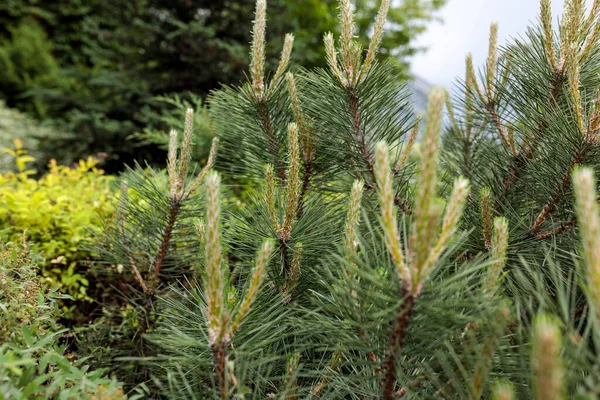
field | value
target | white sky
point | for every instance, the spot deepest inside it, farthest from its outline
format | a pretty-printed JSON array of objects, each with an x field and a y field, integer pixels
[{"x": 465, "y": 28}]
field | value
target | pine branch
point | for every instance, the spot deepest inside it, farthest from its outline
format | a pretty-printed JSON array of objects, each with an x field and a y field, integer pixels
[
  {"x": 491, "y": 107},
  {"x": 260, "y": 92},
  {"x": 550, "y": 207},
  {"x": 558, "y": 230},
  {"x": 272, "y": 142},
  {"x": 292, "y": 280},
  {"x": 520, "y": 160},
  {"x": 137, "y": 274},
  {"x": 367, "y": 157},
  {"x": 395, "y": 344},
  {"x": 220, "y": 360},
  {"x": 489, "y": 96},
  {"x": 359, "y": 137},
  {"x": 559, "y": 76},
  {"x": 306, "y": 176},
  {"x": 164, "y": 244},
  {"x": 351, "y": 74},
  {"x": 285, "y": 256}
]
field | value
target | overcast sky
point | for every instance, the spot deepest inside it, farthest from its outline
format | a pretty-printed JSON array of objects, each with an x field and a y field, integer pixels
[{"x": 465, "y": 28}]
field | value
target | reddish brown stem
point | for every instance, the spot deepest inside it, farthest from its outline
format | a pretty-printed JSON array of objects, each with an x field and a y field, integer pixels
[
  {"x": 285, "y": 255},
  {"x": 164, "y": 245},
  {"x": 220, "y": 359},
  {"x": 550, "y": 207},
  {"x": 137, "y": 274},
  {"x": 305, "y": 183},
  {"x": 359, "y": 136},
  {"x": 395, "y": 343},
  {"x": 558, "y": 230}
]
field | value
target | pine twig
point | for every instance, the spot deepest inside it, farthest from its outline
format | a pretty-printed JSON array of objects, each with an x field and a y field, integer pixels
[
  {"x": 550, "y": 207},
  {"x": 395, "y": 344},
  {"x": 558, "y": 230},
  {"x": 220, "y": 360},
  {"x": 519, "y": 161},
  {"x": 138, "y": 276},
  {"x": 159, "y": 259}
]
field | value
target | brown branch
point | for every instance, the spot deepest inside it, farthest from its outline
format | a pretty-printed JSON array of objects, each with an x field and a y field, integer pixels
[
  {"x": 558, "y": 230},
  {"x": 164, "y": 245},
  {"x": 272, "y": 142},
  {"x": 284, "y": 254},
  {"x": 402, "y": 204},
  {"x": 520, "y": 159},
  {"x": 359, "y": 138},
  {"x": 220, "y": 358},
  {"x": 550, "y": 207},
  {"x": 519, "y": 162},
  {"x": 138, "y": 276},
  {"x": 395, "y": 343}
]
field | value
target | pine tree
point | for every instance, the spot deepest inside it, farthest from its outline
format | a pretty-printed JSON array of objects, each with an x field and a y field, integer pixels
[{"x": 359, "y": 267}]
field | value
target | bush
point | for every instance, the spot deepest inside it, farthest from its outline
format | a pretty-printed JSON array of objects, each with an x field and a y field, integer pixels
[
  {"x": 58, "y": 214},
  {"x": 32, "y": 363},
  {"x": 29, "y": 308}
]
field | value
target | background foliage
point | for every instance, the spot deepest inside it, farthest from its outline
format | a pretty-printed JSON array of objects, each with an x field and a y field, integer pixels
[
  {"x": 94, "y": 67},
  {"x": 59, "y": 214},
  {"x": 33, "y": 363}
]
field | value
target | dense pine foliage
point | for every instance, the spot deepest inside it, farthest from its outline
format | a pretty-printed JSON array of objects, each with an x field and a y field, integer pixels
[{"x": 357, "y": 265}]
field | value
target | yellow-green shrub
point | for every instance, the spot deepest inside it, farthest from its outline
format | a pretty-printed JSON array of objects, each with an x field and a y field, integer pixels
[{"x": 58, "y": 214}]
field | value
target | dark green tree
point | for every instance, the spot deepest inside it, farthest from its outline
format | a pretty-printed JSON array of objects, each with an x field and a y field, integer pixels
[{"x": 95, "y": 67}]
